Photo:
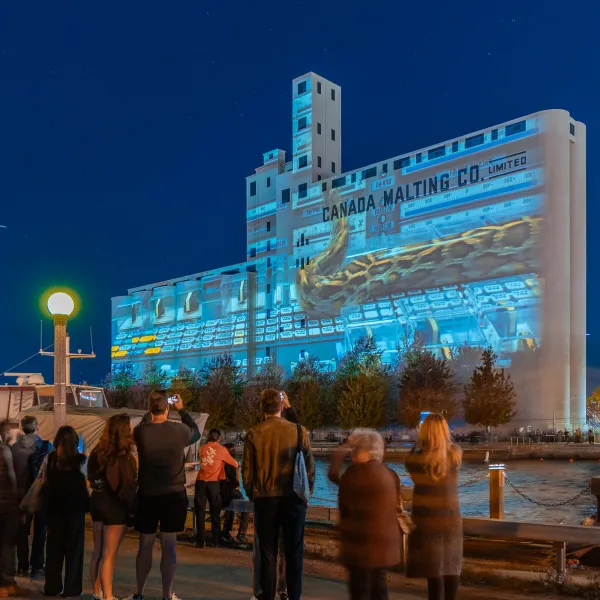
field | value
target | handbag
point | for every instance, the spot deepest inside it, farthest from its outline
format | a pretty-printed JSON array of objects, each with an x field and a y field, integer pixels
[
  {"x": 301, "y": 483},
  {"x": 406, "y": 524},
  {"x": 34, "y": 500}
]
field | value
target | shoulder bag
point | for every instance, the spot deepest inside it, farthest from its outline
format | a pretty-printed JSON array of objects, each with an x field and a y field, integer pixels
[
  {"x": 34, "y": 500},
  {"x": 301, "y": 484}
]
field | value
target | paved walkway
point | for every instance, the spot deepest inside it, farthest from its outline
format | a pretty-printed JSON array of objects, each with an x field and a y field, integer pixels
[{"x": 224, "y": 574}]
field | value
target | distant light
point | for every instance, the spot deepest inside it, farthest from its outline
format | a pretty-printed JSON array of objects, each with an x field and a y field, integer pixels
[{"x": 61, "y": 304}]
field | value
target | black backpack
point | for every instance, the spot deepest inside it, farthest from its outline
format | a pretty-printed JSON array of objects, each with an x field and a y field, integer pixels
[{"x": 37, "y": 457}]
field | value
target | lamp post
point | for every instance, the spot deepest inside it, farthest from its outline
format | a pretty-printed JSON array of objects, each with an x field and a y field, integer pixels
[{"x": 61, "y": 306}]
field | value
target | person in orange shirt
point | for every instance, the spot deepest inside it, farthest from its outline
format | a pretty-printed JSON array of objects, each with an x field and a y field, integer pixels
[{"x": 213, "y": 457}]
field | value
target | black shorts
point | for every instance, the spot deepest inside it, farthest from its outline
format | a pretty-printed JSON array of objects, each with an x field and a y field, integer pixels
[
  {"x": 107, "y": 510},
  {"x": 169, "y": 511}
]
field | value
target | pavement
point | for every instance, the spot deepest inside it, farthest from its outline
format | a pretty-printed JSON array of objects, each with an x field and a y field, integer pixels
[{"x": 224, "y": 574}]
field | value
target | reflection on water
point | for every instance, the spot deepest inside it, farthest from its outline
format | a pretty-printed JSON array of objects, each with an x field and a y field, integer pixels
[{"x": 547, "y": 481}]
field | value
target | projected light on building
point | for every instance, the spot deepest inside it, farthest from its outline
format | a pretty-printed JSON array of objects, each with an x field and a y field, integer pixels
[{"x": 452, "y": 241}]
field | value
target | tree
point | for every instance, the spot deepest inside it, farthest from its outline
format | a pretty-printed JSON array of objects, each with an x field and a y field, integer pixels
[
  {"x": 118, "y": 386},
  {"x": 247, "y": 410},
  {"x": 426, "y": 384},
  {"x": 364, "y": 358},
  {"x": 489, "y": 397},
  {"x": 361, "y": 402},
  {"x": 221, "y": 388},
  {"x": 465, "y": 358},
  {"x": 592, "y": 408},
  {"x": 188, "y": 384},
  {"x": 307, "y": 391}
]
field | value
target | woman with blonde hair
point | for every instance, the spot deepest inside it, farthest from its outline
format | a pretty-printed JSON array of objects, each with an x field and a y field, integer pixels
[{"x": 435, "y": 548}]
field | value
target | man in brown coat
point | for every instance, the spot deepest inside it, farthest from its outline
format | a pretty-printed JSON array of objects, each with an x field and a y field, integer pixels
[{"x": 268, "y": 473}]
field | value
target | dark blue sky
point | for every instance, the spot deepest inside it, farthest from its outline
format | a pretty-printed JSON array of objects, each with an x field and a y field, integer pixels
[{"x": 127, "y": 129}]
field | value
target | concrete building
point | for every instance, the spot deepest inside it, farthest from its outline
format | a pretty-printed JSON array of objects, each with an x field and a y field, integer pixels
[{"x": 477, "y": 240}]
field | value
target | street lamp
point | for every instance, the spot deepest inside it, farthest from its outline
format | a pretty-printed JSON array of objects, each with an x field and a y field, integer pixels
[{"x": 61, "y": 306}]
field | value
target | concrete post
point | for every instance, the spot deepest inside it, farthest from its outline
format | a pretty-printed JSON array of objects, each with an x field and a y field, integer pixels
[
  {"x": 60, "y": 371},
  {"x": 496, "y": 491}
]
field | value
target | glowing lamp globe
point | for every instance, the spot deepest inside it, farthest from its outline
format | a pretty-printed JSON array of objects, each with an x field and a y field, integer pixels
[{"x": 61, "y": 304}]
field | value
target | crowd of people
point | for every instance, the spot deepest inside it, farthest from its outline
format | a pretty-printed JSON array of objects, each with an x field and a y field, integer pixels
[{"x": 45, "y": 487}]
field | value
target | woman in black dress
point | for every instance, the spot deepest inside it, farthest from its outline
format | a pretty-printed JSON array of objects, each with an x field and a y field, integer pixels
[
  {"x": 435, "y": 548},
  {"x": 112, "y": 472},
  {"x": 67, "y": 502}
]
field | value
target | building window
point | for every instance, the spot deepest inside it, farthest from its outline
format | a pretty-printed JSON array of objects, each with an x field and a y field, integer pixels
[
  {"x": 319, "y": 162},
  {"x": 252, "y": 252},
  {"x": 268, "y": 313},
  {"x": 384, "y": 169},
  {"x": 301, "y": 123},
  {"x": 418, "y": 158},
  {"x": 268, "y": 245},
  {"x": 339, "y": 182},
  {"x": 268, "y": 225},
  {"x": 285, "y": 195},
  {"x": 436, "y": 152},
  {"x": 319, "y": 128},
  {"x": 318, "y": 87},
  {"x": 303, "y": 190},
  {"x": 297, "y": 263},
  {"x": 268, "y": 288},
  {"x": 572, "y": 128},
  {"x": 353, "y": 178},
  {"x": 333, "y": 167},
  {"x": 475, "y": 140},
  {"x": 494, "y": 135},
  {"x": 333, "y": 94},
  {"x": 454, "y": 146},
  {"x": 271, "y": 156},
  {"x": 268, "y": 261},
  {"x": 333, "y": 135},
  {"x": 253, "y": 188},
  {"x": 303, "y": 162},
  {"x": 319, "y": 178},
  {"x": 267, "y": 351},
  {"x": 302, "y": 87},
  {"x": 268, "y": 182},
  {"x": 324, "y": 187},
  {"x": 515, "y": 128},
  {"x": 401, "y": 163},
  {"x": 372, "y": 172}
]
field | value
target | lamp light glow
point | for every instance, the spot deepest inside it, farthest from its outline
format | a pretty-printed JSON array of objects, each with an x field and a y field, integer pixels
[{"x": 61, "y": 304}]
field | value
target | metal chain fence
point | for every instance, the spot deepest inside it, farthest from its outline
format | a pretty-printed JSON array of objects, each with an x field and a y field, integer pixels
[{"x": 546, "y": 504}]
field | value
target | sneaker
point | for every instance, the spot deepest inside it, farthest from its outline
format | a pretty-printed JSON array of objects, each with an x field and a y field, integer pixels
[
  {"x": 22, "y": 572},
  {"x": 38, "y": 574},
  {"x": 283, "y": 596},
  {"x": 173, "y": 597},
  {"x": 226, "y": 536},
  {"x": 137, "y": 597},
  {"x": 242, "y": 539}
]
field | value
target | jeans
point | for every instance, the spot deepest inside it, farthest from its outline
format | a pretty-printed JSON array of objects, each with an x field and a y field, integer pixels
[
  {"x": 271, "y": 515},
  {"x": 8, "y": 534},
  {"x": 443, "y": 588},
  {"x": 228, "y": 522},
  {"x": 368, "y": 584},
  {"x": 65, "y": 547},
  {"x": 208, "y": 491},
  {"x": 38, "y": 543},
  {"x": 281, "y": 581}
]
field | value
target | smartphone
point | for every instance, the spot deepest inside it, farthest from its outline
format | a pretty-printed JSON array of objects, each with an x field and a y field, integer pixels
[{"x": 172, "y": 399}]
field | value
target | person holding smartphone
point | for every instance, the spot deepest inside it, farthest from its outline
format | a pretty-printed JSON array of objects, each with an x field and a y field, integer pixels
[{"x": 161, "y": 445}]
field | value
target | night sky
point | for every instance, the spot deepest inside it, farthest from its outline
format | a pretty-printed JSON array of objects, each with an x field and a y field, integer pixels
[{"x": 127, "y": 129}]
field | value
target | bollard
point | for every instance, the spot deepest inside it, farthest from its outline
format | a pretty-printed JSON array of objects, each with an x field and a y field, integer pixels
[
  {"x": 595, "y": 488},
  {"x": 496, "y": 491}
]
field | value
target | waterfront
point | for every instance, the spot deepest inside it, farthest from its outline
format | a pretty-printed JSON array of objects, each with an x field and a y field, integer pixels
[{"x": 544, "y": 481}]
